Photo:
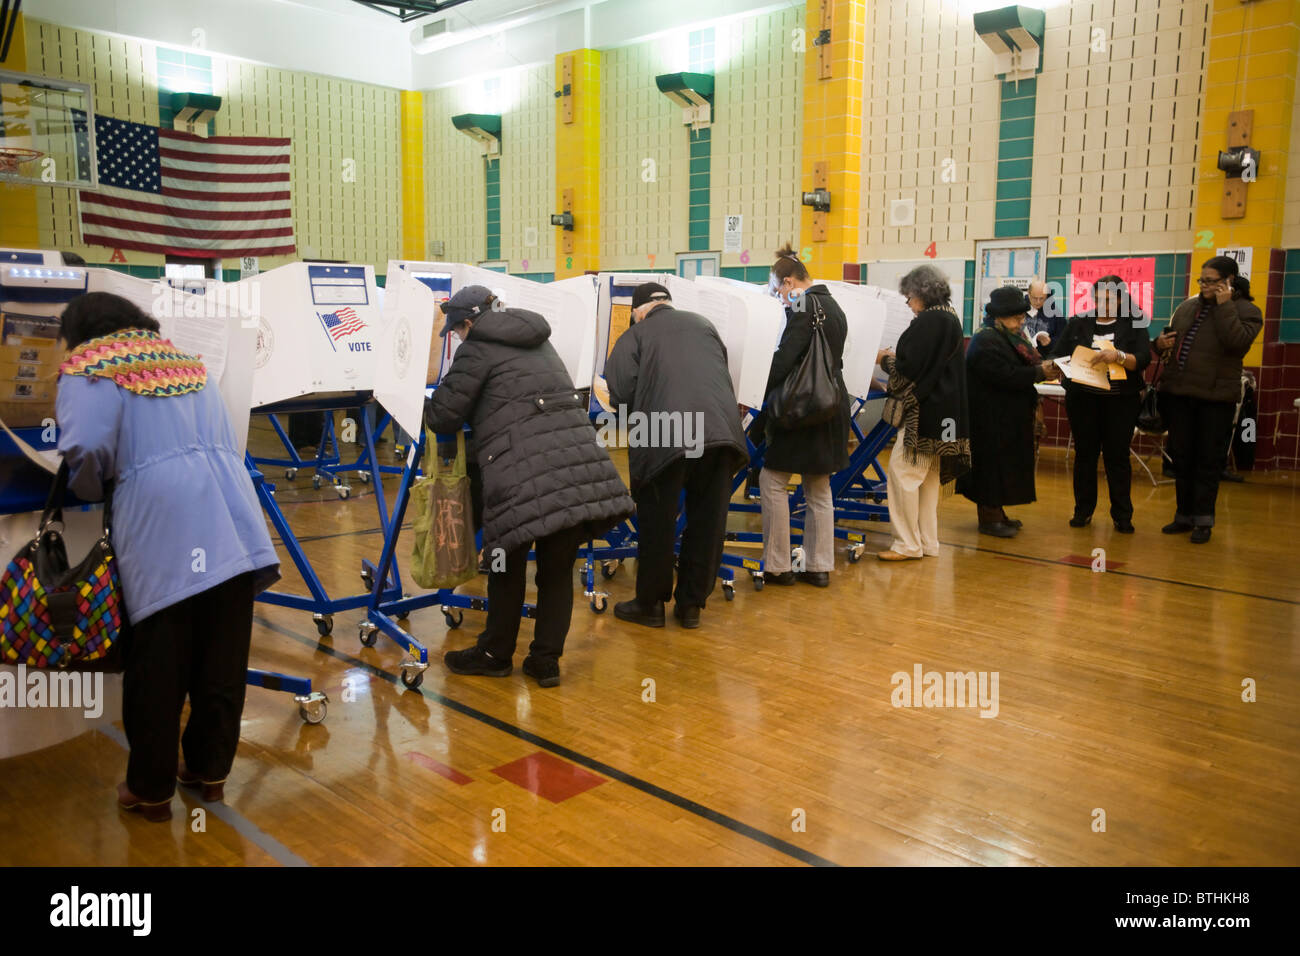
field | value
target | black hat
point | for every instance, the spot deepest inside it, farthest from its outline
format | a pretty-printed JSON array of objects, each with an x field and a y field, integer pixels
[
  {"x": 468, "y": 303},
  {"x": 649, "y": 292},
  {"x": 1005, "y": 301}
]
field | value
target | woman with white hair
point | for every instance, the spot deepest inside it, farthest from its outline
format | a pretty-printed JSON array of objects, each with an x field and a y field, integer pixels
[{"x": 927, "y": 404}]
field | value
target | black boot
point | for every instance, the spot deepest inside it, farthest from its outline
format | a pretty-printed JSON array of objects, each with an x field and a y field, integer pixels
[{"x": 638, "y": 613}]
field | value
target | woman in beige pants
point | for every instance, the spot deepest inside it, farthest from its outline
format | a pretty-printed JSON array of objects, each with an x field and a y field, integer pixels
[{"x": 927, "y": 402}]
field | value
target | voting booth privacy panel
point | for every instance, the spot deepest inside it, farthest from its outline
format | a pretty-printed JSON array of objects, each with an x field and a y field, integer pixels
[{"x": 569, "y": 307}]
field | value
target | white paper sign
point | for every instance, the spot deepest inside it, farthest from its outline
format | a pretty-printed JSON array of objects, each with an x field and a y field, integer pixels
[
  {"x": 248, "y": 266},
  {"x": 732, "y": 233},
  {"x": 1243, "y": 255}
]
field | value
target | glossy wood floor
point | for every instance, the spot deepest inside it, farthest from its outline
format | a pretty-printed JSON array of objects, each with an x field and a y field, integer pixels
[{"x": 1119, "y": 691}]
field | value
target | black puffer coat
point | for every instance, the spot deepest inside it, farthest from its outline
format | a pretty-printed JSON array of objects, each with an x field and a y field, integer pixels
[
  {"x": 543, "y": 470},
  {"x": 816, "y": 449},
  {"x": 674, "y": 361}
]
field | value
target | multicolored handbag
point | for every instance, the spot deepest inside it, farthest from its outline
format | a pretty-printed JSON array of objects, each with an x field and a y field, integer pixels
[{"x": 55, "y": 616}]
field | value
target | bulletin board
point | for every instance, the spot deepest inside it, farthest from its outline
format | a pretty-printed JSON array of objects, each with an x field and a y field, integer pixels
[{"x": 1003, "y": 262}]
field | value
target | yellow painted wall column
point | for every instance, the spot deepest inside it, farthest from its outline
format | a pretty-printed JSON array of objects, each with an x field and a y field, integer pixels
[
  {"x": 413, "y": 210},
  {"x": 19, "y": 225},
  {"x": 577, "y": 163},
  {"x": 832, "y": 132},
  {"x": 1253, "y": 51}
]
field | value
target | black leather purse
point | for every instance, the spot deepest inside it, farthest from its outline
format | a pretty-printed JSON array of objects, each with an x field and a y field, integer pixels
[
  {"x": 811, "y": 393},
  {"x": 1150, "y": 420}
]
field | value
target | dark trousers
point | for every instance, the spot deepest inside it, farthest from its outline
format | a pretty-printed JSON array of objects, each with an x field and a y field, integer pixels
[
  {"x": 1199, "y": 435},
  {"x": 304, "y": 430},
  {"x": 1102, "y": 426},
  {"x": 555, "y": 556},
  {"x": 198, "y": 648},
  {"x": 707, "y": 483}
]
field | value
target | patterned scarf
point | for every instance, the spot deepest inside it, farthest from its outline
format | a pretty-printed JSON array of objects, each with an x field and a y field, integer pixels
[
  {"x": 1021, "y": 345},
  {"x": 1185, "y": 346},
  {"x": 140, "y": 361}
]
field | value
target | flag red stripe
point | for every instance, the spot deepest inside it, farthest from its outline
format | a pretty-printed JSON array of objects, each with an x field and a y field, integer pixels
[
  {"x": 94, "y": 219},
  {"x": 225, "y": 196},
  {"x": 183, "y": 137},
  {"x": 219, "y": 159},
  {"x": 209, "y": 177},
  {"x": 163, "y": 210},
  {"x": 110, "y": 243}
]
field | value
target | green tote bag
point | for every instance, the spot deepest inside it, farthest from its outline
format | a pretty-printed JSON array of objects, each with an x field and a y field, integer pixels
[{"x": 444, "y": 554}]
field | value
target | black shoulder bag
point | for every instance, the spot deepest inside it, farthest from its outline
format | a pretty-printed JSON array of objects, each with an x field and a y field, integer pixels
[{"x": 811, "y": 393}]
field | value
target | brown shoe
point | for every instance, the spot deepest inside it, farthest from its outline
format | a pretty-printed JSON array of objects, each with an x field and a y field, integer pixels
[
  {"x": 210, "y": 792},
  {"x": 153, "y": 812},
  {"x": 895, "y": 556}
]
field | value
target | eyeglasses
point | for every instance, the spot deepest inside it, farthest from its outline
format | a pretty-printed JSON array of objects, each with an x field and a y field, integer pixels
[{"x": 1205, "y": 281}]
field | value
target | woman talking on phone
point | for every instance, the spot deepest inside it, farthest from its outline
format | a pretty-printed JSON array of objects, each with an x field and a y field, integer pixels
[{"x": 1203, "y": 348}]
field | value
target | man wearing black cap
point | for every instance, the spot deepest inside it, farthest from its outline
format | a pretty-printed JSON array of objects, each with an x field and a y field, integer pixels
[
  {"x": 548, "y": 485},
  {"x": 670, "y": 363}
]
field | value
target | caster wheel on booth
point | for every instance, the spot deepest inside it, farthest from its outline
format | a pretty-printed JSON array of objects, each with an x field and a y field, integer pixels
[
  {"x": 367, "y": 634},
  {"x": 313, "y": 708},
  {"x": 729, "y": 591},
  {"x": 453, "y": 621},
  {"x": 412, "y": 677},
  {"x": 315, "y": 482},
  {"x": 291, "y": 473},
  {"x": 367, "y": 579},
  {"x": 324, "y": 624},
  {"x": 609, "y": 568},
  {"x": 599, "y": 602},
  {"x": 855, "y": 553},
  {"x": 364, "y": 476},
  {"x": 343, "y": 491},
  {"x": 758, "y": 582}
]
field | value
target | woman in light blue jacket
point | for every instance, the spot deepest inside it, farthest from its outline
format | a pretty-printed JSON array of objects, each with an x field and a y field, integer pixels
[{"x": 139, "y": 416}]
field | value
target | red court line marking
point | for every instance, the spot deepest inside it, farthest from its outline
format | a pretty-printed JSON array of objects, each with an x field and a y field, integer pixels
[
  {"x": 428, "y": 763},
  {"x": 549, "y": 776}
]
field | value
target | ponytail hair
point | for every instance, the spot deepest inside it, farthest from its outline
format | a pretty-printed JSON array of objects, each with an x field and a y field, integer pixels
[{"x": 788, "y": 265}]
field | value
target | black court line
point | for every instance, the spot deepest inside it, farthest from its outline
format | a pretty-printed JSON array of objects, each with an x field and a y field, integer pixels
[
  {"x": 276, "y": 539},
  {"x": 1128, "y": 574},
  {"x": 653, "y": 790}
]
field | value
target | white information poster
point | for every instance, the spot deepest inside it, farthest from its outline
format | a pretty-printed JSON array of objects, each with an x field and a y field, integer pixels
[
  {"x": 248, "y": 267},
  {"x": 732, "y": 233},
  {"x": 402, "y": 349}
]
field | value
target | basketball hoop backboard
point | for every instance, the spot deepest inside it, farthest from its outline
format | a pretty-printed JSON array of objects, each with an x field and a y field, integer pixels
[{"x": 47, "y": 131}]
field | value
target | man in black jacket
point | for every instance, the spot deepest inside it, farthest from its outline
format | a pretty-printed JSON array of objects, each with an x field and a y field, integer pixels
[
  {"x": 1045, "y": 323},
  {"x": 548, "y": 485},
  {"x": 673, "y": 363}
]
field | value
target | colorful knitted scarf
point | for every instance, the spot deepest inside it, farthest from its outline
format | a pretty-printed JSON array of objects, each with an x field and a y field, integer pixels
[{"x": 140, "y": 361}]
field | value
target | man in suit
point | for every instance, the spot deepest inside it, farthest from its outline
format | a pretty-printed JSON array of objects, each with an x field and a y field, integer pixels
[{"x": 1046, "y": 322}]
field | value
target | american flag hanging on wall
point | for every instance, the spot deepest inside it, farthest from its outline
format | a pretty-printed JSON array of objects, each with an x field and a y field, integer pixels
[{"x": 169, "y": 192}]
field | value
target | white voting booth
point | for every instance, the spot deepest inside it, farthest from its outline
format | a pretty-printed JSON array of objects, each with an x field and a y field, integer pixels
[
  {"x": 569, "y": 307},
  {"x": 748, "y": 321}
]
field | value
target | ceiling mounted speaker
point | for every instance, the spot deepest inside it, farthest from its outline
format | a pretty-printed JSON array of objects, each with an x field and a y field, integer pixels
[{"x": 902, "y": 212}]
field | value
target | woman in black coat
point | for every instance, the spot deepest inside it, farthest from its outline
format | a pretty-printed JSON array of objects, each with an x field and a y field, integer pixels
[
  {"x": 1001, "y": 370},
  {"x": 1102, "y": 421},
  {"x": 546, "y": 479},
  {"x": 814, "y": 452}
]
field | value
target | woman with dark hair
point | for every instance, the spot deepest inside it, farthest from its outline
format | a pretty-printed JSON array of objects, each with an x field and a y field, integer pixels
[
  {"x": 138, "y": 419},
  {"x": 1001, "y": 370},
  {"x": 927, "y": 403},
  {"x": 1203, "y": 347},
  {"x": 1102, "y": 420},
  {"x": 814, "y": 452}
]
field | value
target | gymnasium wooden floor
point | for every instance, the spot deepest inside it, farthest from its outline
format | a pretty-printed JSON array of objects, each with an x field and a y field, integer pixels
[{"x": 1119, "y": 691}]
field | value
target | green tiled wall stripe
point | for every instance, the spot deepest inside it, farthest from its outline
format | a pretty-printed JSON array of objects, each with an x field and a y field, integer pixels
[
  {"x": 698, "y": 213},
  {"x": 968, "y": 307},
  {"x": 180, "y": 71},
  {"x": 755, "y": 274},
  {"x": 536, "y": 276},
  {"x": 1289, "y": 321},
  {"x": 1015, "y": 159},
  {"x": 493, "y": 180}
]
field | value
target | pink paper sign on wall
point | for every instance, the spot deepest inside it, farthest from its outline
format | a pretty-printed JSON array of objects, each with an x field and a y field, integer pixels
[{"x": 1139, "y": 275}]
